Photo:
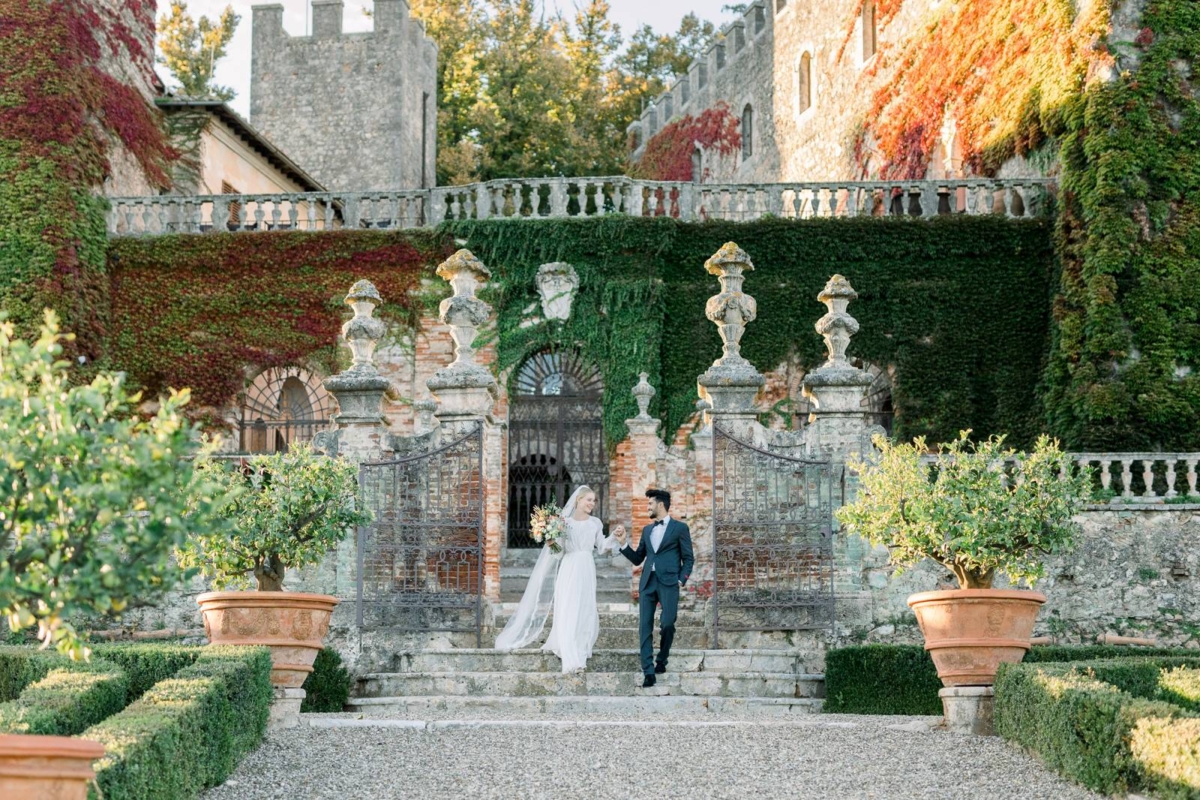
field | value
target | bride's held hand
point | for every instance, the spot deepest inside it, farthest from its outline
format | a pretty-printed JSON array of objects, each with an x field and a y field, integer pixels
[{"x": 619, "y": 533}]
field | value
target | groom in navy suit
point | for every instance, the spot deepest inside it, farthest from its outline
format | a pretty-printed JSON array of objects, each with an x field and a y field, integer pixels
[{"x": 666, "y": 549}]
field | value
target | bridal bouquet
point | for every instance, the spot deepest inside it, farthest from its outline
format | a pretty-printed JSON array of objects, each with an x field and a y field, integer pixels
[{"x": 547, "y": 525}]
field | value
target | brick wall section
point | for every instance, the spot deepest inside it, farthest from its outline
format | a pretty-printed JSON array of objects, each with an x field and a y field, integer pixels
[{"x": 348, "y": 108}]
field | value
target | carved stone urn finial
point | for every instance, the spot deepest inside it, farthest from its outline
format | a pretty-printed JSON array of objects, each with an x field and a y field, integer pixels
[
  {"x": 837, "y": 387},
  {"x": 837, "y": 326},
  {"x": 363, "y": 332},
  {"x": 643, "y": 392},
  {"x": 464, "y": 387},
  {"x": 732, "y": 382}
]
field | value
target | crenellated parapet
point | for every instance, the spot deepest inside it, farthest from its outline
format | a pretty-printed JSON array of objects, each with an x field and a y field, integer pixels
[{"x": 730, "y": 69}]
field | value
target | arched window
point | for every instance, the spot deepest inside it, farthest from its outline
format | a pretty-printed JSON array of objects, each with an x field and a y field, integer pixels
[
  {"x": 283, "y": 406},
  {"x": 697, "y": 165},
  {"x": 804, "y": 92},
  {"x": 555, "y": 436},
  {"x": 747, "y": 132},
  {"x": 868, "y": 30}
]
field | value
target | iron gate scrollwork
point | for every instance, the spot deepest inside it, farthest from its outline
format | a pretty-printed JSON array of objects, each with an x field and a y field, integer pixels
[
  {"x": 420, "y": 562},
  {"x": 772, "y": 539}
]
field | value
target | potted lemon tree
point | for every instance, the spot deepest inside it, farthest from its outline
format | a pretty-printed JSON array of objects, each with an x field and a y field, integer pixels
[
  {"x": 981, "y": 510},
  {"x": 93, "y": 498},
  {"x": 286, "y": 510}
]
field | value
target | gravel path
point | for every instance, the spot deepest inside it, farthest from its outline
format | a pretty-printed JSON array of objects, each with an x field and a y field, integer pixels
[{"x": 797, "y": 757}]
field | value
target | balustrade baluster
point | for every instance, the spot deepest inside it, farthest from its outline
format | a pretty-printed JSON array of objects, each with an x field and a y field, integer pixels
[
  {"x": 652, "y": 202},
  {"x": 1171, "y": 478},
  {"x": 163, "y": 222},
  {"x": 1105, "y": 474},
  {"x": 1191, "y": 476},
  {"x": 258, "y": 215},
  {"x": 1148, "y": 477},
  {"x": 1127, "y": 477}
]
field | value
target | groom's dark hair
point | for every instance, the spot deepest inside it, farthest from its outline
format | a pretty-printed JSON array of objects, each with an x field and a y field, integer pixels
[{"x": 659, "y": 494}]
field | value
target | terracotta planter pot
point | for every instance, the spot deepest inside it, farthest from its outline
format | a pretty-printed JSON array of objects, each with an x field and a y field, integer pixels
[
  {"x": 970, "y": 632},
  {"x": 46, "y": 767},
  {"x": 292, "y": 624}
]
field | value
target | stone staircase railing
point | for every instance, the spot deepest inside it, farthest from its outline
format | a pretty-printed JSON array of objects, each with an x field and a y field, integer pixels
[
  {"x": 535, "y": 198},
  {"x": 1139, "y": 478}
]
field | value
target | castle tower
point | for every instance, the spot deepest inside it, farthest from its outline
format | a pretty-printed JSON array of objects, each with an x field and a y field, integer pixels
[{"x": 357, "y": 111}]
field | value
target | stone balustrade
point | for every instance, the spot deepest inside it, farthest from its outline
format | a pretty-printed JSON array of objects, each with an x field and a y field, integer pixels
[
  {"x": 1135, "y": 478},
  {"x": 574, "y": 197}
]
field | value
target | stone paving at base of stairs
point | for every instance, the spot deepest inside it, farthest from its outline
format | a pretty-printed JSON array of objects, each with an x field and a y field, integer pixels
[{"x": 599, "y": 757}]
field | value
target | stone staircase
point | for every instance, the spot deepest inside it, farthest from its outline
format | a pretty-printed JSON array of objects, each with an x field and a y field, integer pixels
[{"x": 466, "y": 683}]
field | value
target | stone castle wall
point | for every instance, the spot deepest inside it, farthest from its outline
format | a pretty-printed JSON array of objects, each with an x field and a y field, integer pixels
[
  {"x": 757, "y": 61},
  {"x": 356, "y": 110}
]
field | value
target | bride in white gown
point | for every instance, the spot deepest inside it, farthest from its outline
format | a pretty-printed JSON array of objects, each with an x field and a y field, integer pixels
[{"x": 566, "y": 582}]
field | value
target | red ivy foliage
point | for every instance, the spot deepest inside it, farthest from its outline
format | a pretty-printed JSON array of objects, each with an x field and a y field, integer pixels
[
  {"x": 197, "y": 310},
  {"x": 58, "y": 112},
  {"x": 668, "y": 154}
]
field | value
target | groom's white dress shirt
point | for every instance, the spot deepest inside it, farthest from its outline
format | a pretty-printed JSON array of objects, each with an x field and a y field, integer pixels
[{"x": 656, "y": 534}]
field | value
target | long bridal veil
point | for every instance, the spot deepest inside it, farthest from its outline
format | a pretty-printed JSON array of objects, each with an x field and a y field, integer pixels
[{"x": 530, "y": 618}]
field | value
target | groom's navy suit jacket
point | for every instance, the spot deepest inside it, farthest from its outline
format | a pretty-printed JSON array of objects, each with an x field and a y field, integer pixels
[{"x": 672, "y": 562}]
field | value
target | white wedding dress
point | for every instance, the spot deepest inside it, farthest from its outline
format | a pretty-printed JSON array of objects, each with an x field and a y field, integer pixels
[{"x": 566, "y": 583}]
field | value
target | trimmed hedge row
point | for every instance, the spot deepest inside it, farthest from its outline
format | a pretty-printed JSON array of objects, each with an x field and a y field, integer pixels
[
  {"x": 67, "y": 700},
  {"x": 21, "y": 666},
  {"x": 147, "y": 664},
  {"x": 187, "y": 732},
  {"x": 1105, "y": 724},
  {"x": 901, "y": 679}
]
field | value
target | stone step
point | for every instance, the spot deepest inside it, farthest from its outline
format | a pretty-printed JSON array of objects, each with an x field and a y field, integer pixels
[
  {"x": 603, "y": 595},
  {"x": 641, "y": 701},
  {"x": 538, "y": 684},
  {"x": 508, "y": 608},
  {"x": 625, "y": 619},
  {"x": 683, "y": 660},
  {"x": 618, "y": 638},
  {"x": 603, "y": 572}
]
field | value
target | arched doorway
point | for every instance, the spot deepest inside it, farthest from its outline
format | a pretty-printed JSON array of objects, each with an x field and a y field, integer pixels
[
  {"x": 282, "y": 406},
  {"x": 555, "y": 437}
]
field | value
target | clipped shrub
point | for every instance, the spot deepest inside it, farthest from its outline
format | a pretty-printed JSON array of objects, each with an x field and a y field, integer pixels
[
  {"x": 21, "y": 666},
  {"x": 67, "y": 700},
  {"x": 1097, "y": 734},
  {"x": 187, "y": 732},
  {"x": 148, "y": 663},
  {"x": 1181, "y": 687},
  {"x": 881, "y": 679},
  {"x": 327, "y": 687},
  {"x": 901, "y": 678}
]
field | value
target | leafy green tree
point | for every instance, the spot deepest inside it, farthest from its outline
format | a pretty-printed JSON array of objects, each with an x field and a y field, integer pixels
[
  {"x": 286, "y": 510},
  {"x": 650, "y": 63},
  {"x": 970, "y": 512},
  {"x": 191, "y": 49},
  {"x": 93, "y": 496}
]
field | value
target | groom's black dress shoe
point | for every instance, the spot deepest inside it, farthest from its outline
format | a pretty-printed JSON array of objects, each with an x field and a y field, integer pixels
[
  {"x": 660, "y": 668},
  {"x": 648, "y": 682}
]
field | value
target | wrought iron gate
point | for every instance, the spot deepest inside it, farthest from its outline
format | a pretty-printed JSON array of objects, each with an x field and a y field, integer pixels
[
  {"x": 555, "y": 438},
  {"x": 772, "y": 539},
  {"x": 420, "y": 559}
]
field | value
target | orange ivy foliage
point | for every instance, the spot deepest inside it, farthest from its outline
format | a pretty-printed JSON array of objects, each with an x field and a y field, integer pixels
[{"x": 1003, "y": 70}]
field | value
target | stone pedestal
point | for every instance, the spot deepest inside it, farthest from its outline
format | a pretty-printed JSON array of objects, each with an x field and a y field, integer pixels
[
  {"x": 285, "y": 709},
  {"x": 968, "y": 709}
]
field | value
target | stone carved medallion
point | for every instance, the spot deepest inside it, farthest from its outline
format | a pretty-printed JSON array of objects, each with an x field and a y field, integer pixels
[{"x": 556, "y": 284}]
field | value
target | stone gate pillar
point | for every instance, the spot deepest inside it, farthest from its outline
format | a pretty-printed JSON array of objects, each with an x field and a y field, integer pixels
[
  {"x": 838, "y": 430},
  {"x": 466, "y": 394},
  {"x": 838, "y": 422},
  {"x": 731, "y": 384}
]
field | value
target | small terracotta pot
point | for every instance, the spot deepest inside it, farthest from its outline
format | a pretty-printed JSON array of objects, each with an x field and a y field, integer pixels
[
  {"x": 46, "y": 767},
  {"x": 292, "y": 624},
  {"x": 969, "y": 633}
]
